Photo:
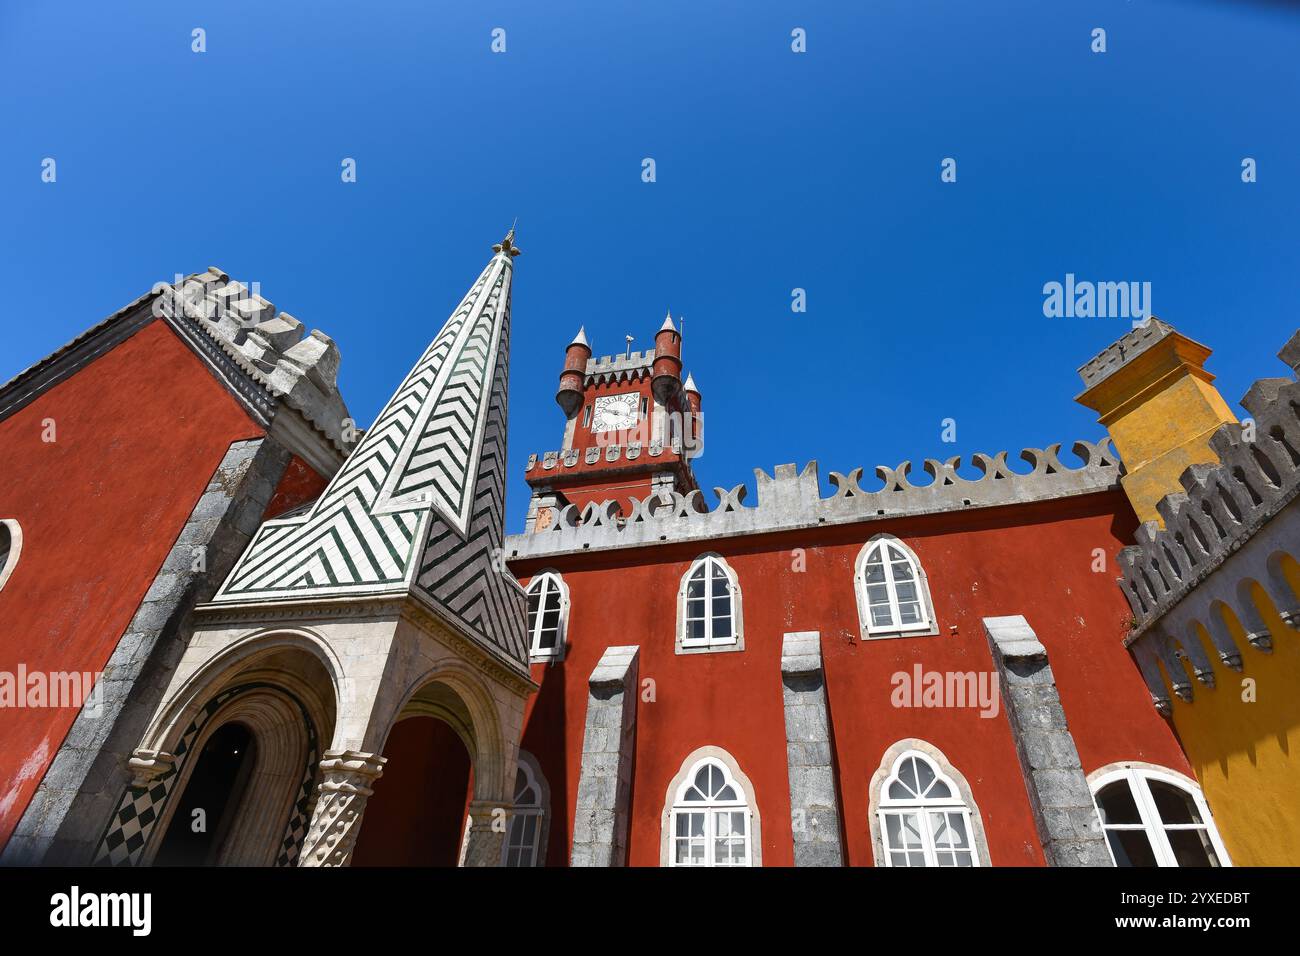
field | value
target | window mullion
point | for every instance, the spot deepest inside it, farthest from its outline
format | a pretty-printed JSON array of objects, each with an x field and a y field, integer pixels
[{"x": 1154, "y": 825}]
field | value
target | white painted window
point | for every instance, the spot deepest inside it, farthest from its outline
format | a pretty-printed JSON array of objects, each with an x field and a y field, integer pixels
[
  {"x": 708, "y": 606},
  {"x": 11, "y": 546},
  {"x": 711, "y": 819},
  {"x": 923, "y": 820},
  {"x": 548, "y": 614},
  {"x": 1153, "y": 817},
  {"x": 893, "y": 595},
  {"x": 524, "y": 839}
]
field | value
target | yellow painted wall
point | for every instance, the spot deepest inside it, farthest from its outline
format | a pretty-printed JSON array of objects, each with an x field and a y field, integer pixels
[
  {"x": 1245, "y": 754},
  {"x": 1161, "y": 431}
]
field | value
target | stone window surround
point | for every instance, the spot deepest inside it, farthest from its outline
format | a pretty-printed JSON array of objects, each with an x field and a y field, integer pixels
[
  {"x": 1121, "y": 769},
  {"x": 686, "y": 773},
  {"x": 737, "y": 610},
  {"x": 860, "y": 592},
  {"x": 955, "y": 776},
  {"x": 533, "y": 770},
  {"x": 15, "y": 549},
  {"x": 556, "y": 653}
]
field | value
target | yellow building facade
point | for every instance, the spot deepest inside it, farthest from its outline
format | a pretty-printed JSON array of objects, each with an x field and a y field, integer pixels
[{"x": 1214, "y": 580}]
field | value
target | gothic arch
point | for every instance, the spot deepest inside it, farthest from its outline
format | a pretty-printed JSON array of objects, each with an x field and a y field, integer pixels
[
  {"x": 285, "y": 758},
  {"x": 470, "y": 710},
  {"x": 239, "y": 661}
]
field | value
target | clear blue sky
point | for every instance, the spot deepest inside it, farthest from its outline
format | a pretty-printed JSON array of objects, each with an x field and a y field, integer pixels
[{"x": 775, "y": 171}]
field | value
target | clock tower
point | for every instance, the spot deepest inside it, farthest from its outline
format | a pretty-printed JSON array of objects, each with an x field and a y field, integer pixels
[{"x": 632, "y": 427}]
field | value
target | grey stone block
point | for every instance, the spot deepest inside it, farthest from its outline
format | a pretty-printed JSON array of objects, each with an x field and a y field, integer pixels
[
  {"x": 1068, "y": 828},
  {"x": 604, "y": 782},
  {"x": 813, "y": 792}
]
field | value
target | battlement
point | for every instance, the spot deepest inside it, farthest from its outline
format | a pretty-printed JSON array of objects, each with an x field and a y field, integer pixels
[
  {"x": 1222, "y": 506},
  {"x": 273, "y": 349},
  {"x": 791, "y": 499},
  {"x": 1123, "y": 350},
  {"x": 617, "y": 368}
]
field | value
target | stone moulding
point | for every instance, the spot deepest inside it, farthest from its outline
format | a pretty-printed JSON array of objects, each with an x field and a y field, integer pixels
[
  {"x": 1221, "y": 506},
  {"x": 791, "y": 499}
]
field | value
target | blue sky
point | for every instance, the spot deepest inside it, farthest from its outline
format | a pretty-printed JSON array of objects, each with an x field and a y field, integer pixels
[{"x": 775, "y": 171}]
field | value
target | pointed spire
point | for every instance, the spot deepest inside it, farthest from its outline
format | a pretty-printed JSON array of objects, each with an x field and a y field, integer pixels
[
  {"x": 581, "y": 337},
  {"x": 690, "y": 384},
  {"x": 668, "y": 323},
  {"x": 507, "y": 245},
  {"x": 418, "y": 466}
]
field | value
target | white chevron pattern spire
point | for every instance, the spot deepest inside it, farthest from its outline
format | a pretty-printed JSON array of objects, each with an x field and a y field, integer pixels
[{"x": 420, "y": 502}]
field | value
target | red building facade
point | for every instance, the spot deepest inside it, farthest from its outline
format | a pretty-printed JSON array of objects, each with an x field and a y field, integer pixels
[{"x": 1040, "y": 545}]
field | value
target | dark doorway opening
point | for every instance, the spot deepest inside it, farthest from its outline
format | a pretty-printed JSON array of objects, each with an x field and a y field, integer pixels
[
  {"x": 416, "y": 816},
  {"x": 211, "y": 799}
]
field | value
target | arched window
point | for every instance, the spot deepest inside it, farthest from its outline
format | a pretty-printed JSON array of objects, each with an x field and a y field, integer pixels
[
  {"x": 893, "y": 595},
  {"x": 711, "y": 822},
  {"x": 923, "y": 816},
  {"x": 11, "y": 545},
  {"x": 548, "y": 616},
  {"x": 1154, "y": 817},
  {"x": 708, "y": 607},
  {"x": 525, "y": 843}
]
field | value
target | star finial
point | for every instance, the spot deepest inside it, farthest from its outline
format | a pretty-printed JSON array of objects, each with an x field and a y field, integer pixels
[{"x": 507, "y": 245}]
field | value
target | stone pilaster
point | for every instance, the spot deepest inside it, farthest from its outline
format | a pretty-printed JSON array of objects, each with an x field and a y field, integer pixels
[
  {"x": 600, "y": 824},
  {"x": 814, "y": 800},
  {"x": 346, "y": 783},
  {"x": 485, "y": 841},
  {"x": 1067, "y": 822}
]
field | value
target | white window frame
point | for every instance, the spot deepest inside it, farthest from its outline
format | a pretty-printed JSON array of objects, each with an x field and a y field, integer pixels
[
  {"x": 709, "y": 809},
  {"x": 1136, "y": 775},
  {"x": 535, "y": 651},
  {"x": 922, "y": 807},
  {"x": 926, "y": 627},
  {"x": 710, "y": 644},
  {"x": 536, "y": 780},
  {"x": 15, "y": 550}
]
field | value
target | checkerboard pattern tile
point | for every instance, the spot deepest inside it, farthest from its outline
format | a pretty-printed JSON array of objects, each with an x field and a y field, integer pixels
[{"x": 140, "y": 807}]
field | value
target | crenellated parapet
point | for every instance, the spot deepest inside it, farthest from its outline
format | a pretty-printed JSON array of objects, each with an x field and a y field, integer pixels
[
  {"x": 1222, "y": 506},
  {"x": 274, "y": 349},
  {"x": 631, "y": 367},
  {"x": 791, "y": 499},
  {"x": 1225, "y": 539}
]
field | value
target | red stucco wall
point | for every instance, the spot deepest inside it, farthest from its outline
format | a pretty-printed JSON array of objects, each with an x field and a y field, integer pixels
[
  {"x": 298, "y": 484},
  {"x": 139, "y": 433},
  {"x": 416, "y": 816},
  {"x": 1036, "y": 561}
]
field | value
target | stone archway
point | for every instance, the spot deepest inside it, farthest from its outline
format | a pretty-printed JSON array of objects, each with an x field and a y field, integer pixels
[{"x": 282, "y": 695}]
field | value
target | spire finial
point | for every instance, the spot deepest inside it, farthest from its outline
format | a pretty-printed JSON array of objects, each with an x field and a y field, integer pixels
[{"x": 507, "y": 245}]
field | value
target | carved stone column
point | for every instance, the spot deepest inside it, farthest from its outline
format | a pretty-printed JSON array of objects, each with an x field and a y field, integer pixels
[
  {"x": 346, "y": 783},
  {"x": 485, "y": 841}
]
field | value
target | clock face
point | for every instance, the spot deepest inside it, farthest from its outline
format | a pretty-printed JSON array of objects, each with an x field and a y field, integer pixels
[{"x": 616, "y": 413}]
